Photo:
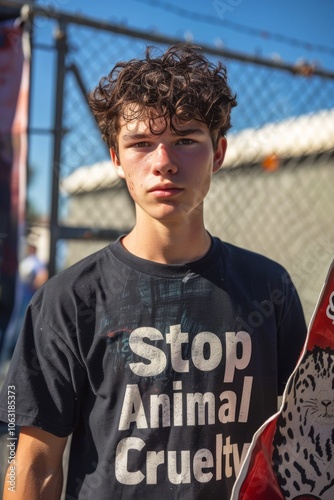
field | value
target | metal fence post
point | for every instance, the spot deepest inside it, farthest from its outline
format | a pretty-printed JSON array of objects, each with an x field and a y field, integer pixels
[{"x": 61, "y": 46}]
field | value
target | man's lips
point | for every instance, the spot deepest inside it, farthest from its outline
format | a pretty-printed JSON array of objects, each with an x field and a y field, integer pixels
[{"x": 163, "y": 191}]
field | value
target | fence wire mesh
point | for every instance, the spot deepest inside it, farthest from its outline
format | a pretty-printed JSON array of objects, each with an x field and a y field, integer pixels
[{"x": 275, "y": 194}]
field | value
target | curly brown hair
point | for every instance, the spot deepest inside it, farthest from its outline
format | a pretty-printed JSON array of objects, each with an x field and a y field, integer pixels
[{"x": 180, "y": 83}]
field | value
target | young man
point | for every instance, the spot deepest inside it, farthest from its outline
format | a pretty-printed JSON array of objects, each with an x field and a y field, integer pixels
[{"x": 164, "y": 352}]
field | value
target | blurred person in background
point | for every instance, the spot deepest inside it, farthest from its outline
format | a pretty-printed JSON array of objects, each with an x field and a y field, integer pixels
[{"x": 32, "y": 274}]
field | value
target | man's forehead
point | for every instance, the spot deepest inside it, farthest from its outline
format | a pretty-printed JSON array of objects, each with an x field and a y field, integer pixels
[
  {"x": 155, "y": 123},
  {"x": 142, "y": 124}
]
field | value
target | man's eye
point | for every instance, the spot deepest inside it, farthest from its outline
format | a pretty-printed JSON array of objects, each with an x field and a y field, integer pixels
[
  {"x": 186, "y": 141},
  {"x": 141, "y": 144}
]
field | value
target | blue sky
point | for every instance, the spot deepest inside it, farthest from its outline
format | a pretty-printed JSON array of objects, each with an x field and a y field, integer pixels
[
  {"x": 310, "y": 21},
  {"x": 288, "y": 29}
]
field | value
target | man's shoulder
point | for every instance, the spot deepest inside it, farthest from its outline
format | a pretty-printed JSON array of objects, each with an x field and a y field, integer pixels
[
  {"x": 249, "y": 261},
  {"x": 76, "y": 277}
]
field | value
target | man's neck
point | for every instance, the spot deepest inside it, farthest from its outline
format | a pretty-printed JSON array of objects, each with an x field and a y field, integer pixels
[{"x": 168, "y": 244}]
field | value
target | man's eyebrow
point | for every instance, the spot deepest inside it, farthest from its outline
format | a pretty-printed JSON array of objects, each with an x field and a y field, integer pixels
[
  {"x": 135, "y": 136},
  {"x": 189, "y": 131}
]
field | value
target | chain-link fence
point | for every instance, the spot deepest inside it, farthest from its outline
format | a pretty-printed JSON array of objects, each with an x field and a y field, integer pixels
[{"x": 275, "y": 193}]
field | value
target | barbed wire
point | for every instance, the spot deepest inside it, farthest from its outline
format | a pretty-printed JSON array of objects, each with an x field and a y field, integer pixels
[{"x": 240, "y": 28}]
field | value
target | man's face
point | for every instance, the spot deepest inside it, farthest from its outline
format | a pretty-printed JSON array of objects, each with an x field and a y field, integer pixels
[{"x": 168, "y": 175}]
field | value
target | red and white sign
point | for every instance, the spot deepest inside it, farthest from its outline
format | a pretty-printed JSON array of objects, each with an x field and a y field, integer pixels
[{"x": 292, "y": 454}]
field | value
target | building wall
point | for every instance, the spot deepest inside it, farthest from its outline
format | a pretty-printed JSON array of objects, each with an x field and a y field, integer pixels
[{"x": 286, "y": 215}]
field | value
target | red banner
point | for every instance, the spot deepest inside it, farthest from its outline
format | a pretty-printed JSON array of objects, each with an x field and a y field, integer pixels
[
  {"x": 292, "y": 454},
  {"x": 14, "y": 89}
]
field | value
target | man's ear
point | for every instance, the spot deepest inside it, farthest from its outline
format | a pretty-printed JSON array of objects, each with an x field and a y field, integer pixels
[
  {"x": 117, "y": 164},
  {"x": 219, "y": 154}
]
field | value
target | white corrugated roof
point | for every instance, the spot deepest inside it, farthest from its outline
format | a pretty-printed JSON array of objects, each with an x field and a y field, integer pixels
[
  {"x": 101, "y": 175},
  {"x": 294, "y": 137},
  {"x": 299, "y": 136}
]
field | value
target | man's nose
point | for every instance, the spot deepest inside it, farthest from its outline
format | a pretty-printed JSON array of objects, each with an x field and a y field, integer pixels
[{"x": 164, "y": 160}]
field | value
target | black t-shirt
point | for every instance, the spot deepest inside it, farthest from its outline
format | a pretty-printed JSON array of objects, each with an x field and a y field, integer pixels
[{"x": 162, "y": 372}]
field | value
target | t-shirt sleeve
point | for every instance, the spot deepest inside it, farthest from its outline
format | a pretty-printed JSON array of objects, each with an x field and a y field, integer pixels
[
  {"x": 47, "y": 377},
  {"x": 291, "y": 332}
]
